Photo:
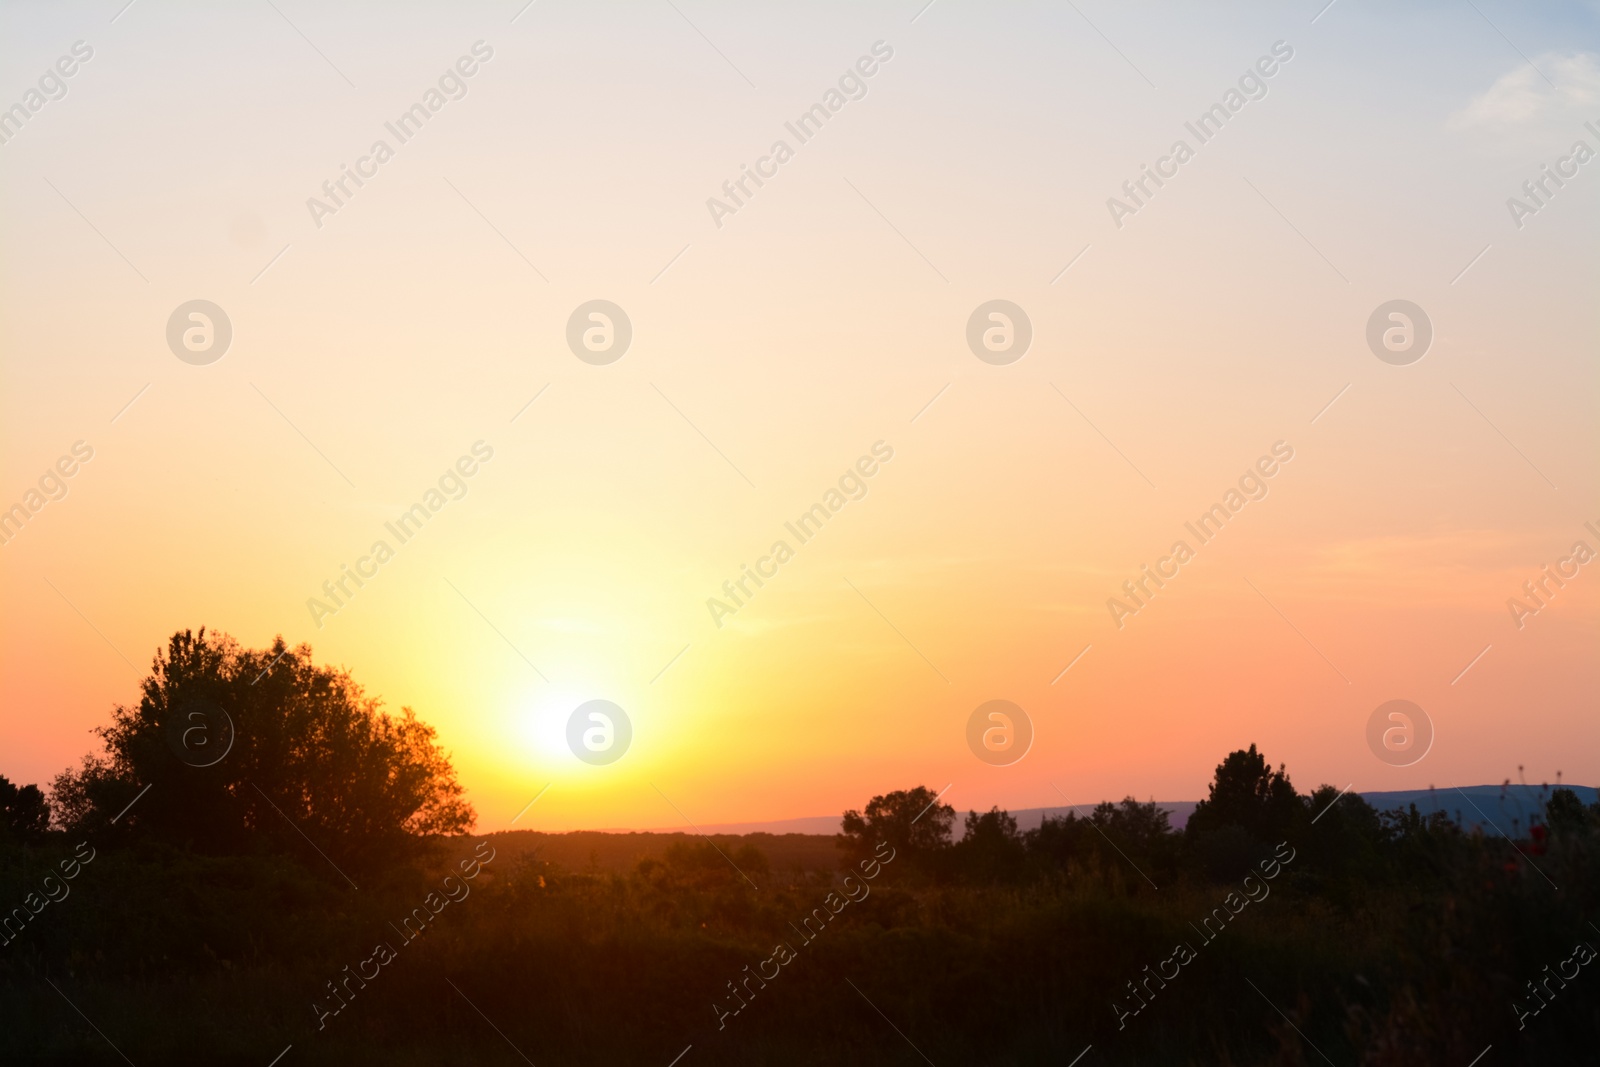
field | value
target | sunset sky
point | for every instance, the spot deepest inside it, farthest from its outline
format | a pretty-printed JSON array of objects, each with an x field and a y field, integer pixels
[{"x": 774, "y": 346}]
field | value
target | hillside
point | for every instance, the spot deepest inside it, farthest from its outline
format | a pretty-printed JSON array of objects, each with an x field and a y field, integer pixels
[{"x": 1492, "y": 808}]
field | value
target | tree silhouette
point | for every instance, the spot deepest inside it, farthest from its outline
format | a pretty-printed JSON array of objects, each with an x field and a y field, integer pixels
[
  {"x": 245, "y": 750},
  {"x": 1250, "y": 808},
  {"x": 912, "y": 821},
  {"x": 24, "y": 812},
  {"x": 1564, "y": 813},
  {"x": 1140, "y": 828},
  {"x": 1246, "y": 792},
  {"x": 991, "y": 849}
]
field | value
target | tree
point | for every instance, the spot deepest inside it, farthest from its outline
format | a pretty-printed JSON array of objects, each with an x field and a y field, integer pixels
[
  {"x": 232, "y": 750},
  {"x": 1246, "y": 792},
  {"x": 1564, "y": 813},
  {"x": 704, "y": 865},
  {"x": 1061, "y": 840},
  {"x": 1125, "y": 843},
  {"x": 24, "y": 812},
  {"x": 1139, "y": 828},
  {"x": 912, "y": 821},
  {"x": 1250, "y": 808},
  {"x": 1346, "y": 843},
  {"x": 992, "y": 850}
]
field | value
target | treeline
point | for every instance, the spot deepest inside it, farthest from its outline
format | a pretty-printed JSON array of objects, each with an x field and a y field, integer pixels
[
  {"x": 1387, "y": 940},
  {"x": 1250, "y": 809}
]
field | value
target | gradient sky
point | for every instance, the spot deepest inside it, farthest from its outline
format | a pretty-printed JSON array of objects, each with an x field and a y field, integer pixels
[{"x": 774, "y": 350}]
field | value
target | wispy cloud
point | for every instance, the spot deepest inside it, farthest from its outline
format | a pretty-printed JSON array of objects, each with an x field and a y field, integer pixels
[{"x": 1562, "y": 84}]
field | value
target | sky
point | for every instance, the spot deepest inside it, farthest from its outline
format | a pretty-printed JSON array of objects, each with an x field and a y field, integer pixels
[{"x": 1181, "y": 334}]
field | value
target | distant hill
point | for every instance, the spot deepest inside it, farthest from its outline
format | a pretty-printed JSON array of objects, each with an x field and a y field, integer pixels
[
  {"x": 1027, "y": 819},
  {"x": 1494, "y": 808},
  {"x": 807, "y": 843}
]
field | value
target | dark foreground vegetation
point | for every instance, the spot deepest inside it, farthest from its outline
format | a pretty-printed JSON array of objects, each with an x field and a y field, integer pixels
[{"x": 201, "y": 925}]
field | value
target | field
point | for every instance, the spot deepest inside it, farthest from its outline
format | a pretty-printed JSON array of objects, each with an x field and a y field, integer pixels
[{"x": 633, "y": 948}]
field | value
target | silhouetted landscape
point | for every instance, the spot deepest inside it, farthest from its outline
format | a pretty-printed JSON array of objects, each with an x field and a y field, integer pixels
[{"x": 316, "y": 891}]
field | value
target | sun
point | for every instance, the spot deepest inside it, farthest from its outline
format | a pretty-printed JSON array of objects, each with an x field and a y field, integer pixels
[{"x": 540, "y": 726}]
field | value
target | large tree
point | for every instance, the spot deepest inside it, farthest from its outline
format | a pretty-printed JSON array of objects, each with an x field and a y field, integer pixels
[
  {"x": 912, "y": 821},
  {"x": 1249, "y": 794},
  {"x": 247, "y": 750}
]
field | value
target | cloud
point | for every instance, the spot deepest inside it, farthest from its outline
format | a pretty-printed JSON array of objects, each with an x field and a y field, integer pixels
[{"x": 1523, "y": 95}]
